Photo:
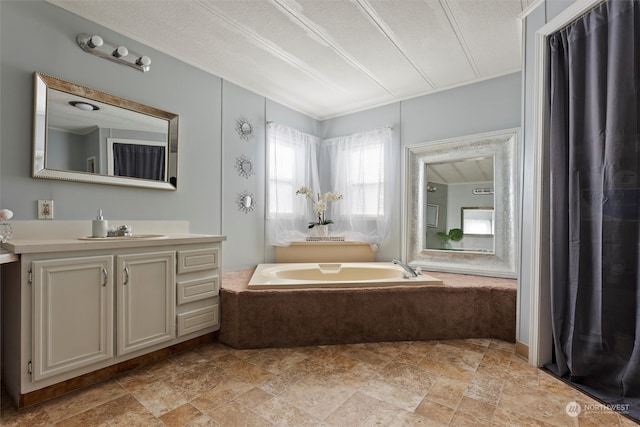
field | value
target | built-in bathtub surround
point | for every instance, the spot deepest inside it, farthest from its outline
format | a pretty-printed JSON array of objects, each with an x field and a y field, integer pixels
[
  {"x": 464, "y": 306},
  {"x": 326, "y": 251}
]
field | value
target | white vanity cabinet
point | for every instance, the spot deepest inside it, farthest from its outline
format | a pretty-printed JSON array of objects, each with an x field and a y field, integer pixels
[
  {"x": 146, "y": 299},
  {"x": 72, "y": 314},
  {"x": 71, "y": 308},
  {"x": 198, "y": 281}
]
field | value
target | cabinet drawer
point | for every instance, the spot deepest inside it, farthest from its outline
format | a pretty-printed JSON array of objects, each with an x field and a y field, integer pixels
[
  {"x": 198, "y": 319},
  {"x": 198, "y": 259},
  {"x": 197, "y": 289}
]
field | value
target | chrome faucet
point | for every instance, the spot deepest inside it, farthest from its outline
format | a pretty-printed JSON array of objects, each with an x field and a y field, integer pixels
[
  {"x": 121, "y": 231},
  {"x": 410, "y": 271}
]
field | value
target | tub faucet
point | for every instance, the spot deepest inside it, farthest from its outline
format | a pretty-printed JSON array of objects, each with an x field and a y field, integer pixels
[{"x": 410, "y": 271}]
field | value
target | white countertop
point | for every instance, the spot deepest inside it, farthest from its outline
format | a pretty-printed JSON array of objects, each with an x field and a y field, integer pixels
[
  {"x": 7, "y": 256},
  {"x": 79, "y": 243}
]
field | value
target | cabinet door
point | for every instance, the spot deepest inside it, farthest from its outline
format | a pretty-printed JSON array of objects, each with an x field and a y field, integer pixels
[
  {"x": 72, "y": 314},
  {"x": 146, "y": 293}
]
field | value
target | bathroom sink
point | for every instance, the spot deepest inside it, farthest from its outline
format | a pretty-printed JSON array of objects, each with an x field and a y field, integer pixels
[{"x": 134, "y": 237}]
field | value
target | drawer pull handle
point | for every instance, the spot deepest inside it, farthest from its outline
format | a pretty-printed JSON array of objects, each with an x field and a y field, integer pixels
[
  {"x": 104, "y": 276},
  {"x": 126, "y": 275}
]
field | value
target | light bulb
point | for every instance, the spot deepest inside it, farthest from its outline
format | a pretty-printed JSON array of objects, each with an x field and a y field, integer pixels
[
  {"x": 120, "y": 52},
  {"x": 84, "y": 106},
  {"x": 95, "y": 41},
  {"x": 144, "y": 61}
]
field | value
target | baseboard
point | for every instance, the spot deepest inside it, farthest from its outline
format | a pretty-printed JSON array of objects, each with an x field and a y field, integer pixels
[{"x": 522, "y": 350}]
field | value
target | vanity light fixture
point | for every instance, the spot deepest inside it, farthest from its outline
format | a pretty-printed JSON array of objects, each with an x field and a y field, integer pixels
[
  {"x": 432, "y": 188},
  {"x": 84, "y": 106},
  {"x": 120, "y": 54},
  {"x": 95, "y": 41},
  {"x": 482, "y": 191},
  {"x": 143, "y": 61}
]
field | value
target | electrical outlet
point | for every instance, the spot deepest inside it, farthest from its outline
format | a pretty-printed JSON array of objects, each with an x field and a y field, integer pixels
[{"x": 45, "y": 209}]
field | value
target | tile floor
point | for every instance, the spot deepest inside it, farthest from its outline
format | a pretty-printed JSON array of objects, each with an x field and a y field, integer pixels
[{"x": 474, "y": 382}]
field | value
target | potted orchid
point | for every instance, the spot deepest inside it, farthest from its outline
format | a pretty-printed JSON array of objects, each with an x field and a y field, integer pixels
[{"x": 319, "y": 207}]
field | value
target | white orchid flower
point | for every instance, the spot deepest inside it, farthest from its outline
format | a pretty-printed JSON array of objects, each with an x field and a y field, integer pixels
[{"x": 320, "y": 205}]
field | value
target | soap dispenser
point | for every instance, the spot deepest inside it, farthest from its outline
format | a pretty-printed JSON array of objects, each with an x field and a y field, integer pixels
[{"x": 100, "y": 226}]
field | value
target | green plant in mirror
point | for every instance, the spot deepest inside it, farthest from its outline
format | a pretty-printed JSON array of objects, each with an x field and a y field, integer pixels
[{"x": 455, "y": 235}]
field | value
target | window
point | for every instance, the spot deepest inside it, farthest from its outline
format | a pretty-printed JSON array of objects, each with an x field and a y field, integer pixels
[
  {"x": 361, "y": 169},
  {"x": 477, "y": 221},
  {"x": 281, "y": 186},
  {"x": 291, "y": 163},
  {"x": 367, "y": 179},
  {"x": 357, "y": 166}
]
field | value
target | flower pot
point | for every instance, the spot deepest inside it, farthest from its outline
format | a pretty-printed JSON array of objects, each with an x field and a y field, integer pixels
[
  {"x": 321, "y": 231},
  {"x": 6, "y": 232}
]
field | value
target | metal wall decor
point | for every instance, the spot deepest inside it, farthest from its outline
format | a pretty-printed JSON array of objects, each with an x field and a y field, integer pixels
[
  {"x": 244, "y": 128},
  {"x": 244, "y": 165},
  {"x": 246, "y": 202}
]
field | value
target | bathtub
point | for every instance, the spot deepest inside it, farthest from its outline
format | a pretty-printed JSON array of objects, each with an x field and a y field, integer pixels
[{"x": 334, "y": 275}]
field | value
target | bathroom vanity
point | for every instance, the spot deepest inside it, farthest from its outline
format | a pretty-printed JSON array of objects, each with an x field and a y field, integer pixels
[{"x": 73, "y": 307}]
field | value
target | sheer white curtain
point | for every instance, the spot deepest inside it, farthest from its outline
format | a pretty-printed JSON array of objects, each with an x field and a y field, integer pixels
[
  {"x": 360, "y": 168},
  {"x": 292, "y": 161}
]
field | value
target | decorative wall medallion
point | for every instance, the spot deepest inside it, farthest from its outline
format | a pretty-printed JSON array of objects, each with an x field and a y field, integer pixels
[
  {"x": 246, "y": 202},
  {"x": 244, "y": 128},
  {"x": 244, "y": 165}
]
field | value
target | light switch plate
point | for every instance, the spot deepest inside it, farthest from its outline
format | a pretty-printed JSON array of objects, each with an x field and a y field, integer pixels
[{"x": 45, "y": 209}]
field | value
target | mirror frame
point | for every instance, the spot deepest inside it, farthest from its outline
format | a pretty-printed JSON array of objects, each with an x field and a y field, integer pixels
[
  {"x": 42, "y": 83},
  {"x": 503, "y": 147}
]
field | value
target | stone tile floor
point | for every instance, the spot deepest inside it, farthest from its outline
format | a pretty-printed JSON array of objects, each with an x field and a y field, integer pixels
[{"x": 473, "y": 382}]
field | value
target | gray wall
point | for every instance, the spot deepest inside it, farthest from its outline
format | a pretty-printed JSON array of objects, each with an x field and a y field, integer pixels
[
  {"x": 536, "y": 18},
  {"x": 245, "y": 245},
  {"x": 438, "y": 198},
  {"x": 38, "y": 36},
  {"x": 482, "y": 107}
]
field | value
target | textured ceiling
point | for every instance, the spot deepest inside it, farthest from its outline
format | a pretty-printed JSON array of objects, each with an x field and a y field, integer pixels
[
  {"x": 326, "y": 58},
  {"x": 461, "y": 172}
]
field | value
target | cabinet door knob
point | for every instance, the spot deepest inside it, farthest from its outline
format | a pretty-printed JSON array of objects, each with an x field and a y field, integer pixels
[
  {"x": 104, "y": 276},
  {"x": 126, "y": 275}
]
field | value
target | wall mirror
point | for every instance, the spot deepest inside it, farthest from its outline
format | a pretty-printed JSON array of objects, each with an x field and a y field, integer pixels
[
  {"x": 84, "y": 135},
  {"x": 244, "y": 165},
  {"x": 451, "y": 187},
  {"x": 473, "y": 182},
  {"x": 246, "y": 202},
  {"x": 244, "y": 128}
]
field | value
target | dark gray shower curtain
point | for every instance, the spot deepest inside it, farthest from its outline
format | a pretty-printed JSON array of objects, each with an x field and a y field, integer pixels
[
  {"x": 595, "y": 209},
  {"x": 139, "y": 161}
]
